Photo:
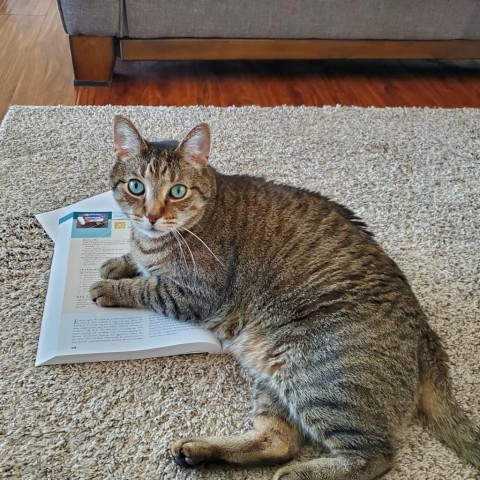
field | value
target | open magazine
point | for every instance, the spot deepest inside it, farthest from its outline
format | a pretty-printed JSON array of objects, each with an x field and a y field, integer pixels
[{"x": 75, "y": 329}]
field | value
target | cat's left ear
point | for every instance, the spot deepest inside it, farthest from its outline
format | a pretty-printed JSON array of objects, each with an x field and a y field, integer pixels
[{"x": 195, "y": 147}]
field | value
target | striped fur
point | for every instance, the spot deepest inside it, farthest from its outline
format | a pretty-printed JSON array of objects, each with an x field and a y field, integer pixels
[{"x": 325, "y": 323}]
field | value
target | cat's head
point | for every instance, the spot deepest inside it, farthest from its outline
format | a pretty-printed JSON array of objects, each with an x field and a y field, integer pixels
[{"x": 163, "y": 186}]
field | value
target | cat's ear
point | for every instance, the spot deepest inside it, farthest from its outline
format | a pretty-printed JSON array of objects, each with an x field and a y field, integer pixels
[
  {"x": 195, "y": 147},
  {"x": 127, "y": 140}
]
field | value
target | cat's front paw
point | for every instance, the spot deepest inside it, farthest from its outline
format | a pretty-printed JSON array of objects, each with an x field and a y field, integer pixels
[
  {"x": 190, "y": 452},
  {"x": 117, "y": 268},
  {"x": 103, "y": 293}
]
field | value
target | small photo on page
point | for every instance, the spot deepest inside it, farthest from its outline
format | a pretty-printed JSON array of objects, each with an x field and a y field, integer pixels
[
  {"x": 92, "y": 220},
  {"x": 91, "y": 224}
]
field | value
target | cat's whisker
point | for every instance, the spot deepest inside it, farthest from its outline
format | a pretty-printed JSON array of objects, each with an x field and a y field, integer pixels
[
  {"x": 191, "y": 254},
  {"x": 175, "y": 235},
  {"x": 207, "y": 247}
]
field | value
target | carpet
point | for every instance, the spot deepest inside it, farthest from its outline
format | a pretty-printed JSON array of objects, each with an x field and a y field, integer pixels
[{"x": 412, "y": 174}]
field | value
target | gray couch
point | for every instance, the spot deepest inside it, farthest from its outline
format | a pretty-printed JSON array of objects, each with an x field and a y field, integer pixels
[{"x": 240, "y": 29}]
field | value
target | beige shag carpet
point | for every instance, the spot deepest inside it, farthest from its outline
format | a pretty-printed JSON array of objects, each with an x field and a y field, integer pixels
[{"x": 412, "y": 174}]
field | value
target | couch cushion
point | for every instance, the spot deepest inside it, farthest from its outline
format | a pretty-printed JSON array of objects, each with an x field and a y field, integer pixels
[
  {"x": 327, "y": 19},
  {"x": 93, "y": 17}
]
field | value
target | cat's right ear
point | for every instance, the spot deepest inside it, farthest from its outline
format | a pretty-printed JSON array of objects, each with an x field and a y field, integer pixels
[
  {"x": 127, "y": 140},
  {"x": 195, "y": 147}
]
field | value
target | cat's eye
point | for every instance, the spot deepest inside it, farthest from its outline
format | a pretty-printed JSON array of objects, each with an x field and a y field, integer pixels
[
  {"x": 178, "y": 191},
  {"x": 136, "y": 187}
]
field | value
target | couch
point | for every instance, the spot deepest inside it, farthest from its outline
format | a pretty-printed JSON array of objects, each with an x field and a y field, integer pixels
[{"x": 101, "y": 31}]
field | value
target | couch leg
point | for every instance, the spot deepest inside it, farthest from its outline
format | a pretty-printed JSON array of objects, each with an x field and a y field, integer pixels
[{"x": 93, "y": 60}]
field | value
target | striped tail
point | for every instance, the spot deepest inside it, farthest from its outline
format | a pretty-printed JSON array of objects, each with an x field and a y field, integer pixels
[{"x": 443, "y": 414}]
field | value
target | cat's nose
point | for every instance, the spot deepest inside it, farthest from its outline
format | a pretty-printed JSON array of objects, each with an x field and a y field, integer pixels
[{"x": 152, "y": 218}]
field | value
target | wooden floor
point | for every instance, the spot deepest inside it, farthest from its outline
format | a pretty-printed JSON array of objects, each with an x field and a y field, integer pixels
[{"x": 35, "y": 69}]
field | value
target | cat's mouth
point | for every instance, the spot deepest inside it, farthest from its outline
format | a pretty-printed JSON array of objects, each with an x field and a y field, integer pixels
[{"x": 153, "y": 231}]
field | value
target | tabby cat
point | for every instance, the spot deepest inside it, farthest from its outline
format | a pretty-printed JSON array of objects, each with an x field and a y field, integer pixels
[{"x": 338, "y": 347}]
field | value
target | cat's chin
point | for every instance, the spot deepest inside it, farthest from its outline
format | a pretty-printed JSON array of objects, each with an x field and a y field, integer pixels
[{"x": 152, "y": 233}]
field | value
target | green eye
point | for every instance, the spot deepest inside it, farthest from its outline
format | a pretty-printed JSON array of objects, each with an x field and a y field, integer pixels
[
  {"x": 178, "y": 191},
  {"x": 136, "y": 187}
]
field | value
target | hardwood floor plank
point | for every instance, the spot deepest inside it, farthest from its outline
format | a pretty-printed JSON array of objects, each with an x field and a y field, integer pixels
[
  {"x": 16, "y": 36},
  {"x": 345, "y": 82},
  {"x": 25, "y": 7},
  {"x": 48, "y": 76}
]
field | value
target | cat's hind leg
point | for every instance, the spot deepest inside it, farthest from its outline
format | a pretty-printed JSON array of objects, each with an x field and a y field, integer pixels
[
  {"x": 354, "y": 453},
  {"x": 336, "y": 467},
  {"x": 356, "y": 450},
  {"x": 273, "y": 440}
]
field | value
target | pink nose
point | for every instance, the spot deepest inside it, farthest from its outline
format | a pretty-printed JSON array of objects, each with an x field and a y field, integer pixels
[{"x": 152, "y": 218}]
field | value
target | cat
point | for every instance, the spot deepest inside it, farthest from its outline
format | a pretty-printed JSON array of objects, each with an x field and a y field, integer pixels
[{"x": 338, "y": 348}]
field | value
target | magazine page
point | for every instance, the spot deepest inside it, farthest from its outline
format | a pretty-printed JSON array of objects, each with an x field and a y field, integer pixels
[{"x": 75, "y": 329}]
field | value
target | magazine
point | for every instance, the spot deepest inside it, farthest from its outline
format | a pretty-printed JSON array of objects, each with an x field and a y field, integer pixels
[{"x": 75, "y": 329}]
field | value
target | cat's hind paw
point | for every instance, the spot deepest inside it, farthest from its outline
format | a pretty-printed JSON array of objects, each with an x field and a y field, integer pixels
[
  {"x": 189, "y": 452},
  {"x": 286, "y": 473}
]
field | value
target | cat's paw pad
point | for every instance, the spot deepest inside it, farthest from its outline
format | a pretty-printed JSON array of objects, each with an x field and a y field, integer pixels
[
  {"x": 103, "y": 293},
  {"x": 113, "y": 269},
  {"x": 190, "y": 452}
]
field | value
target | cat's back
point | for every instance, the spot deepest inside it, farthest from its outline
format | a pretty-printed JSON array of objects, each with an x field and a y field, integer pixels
[
  {"x": 274, "y": 218},
  {"x": 247, "y": 198},
  {"x": 292, "y": 243}
]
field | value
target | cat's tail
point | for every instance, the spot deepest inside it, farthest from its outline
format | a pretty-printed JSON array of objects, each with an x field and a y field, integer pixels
[{"x": 443, "y": 414}]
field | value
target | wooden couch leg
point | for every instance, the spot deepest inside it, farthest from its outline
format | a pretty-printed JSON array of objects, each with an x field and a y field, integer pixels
[{"x": 93, "y": 60}]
